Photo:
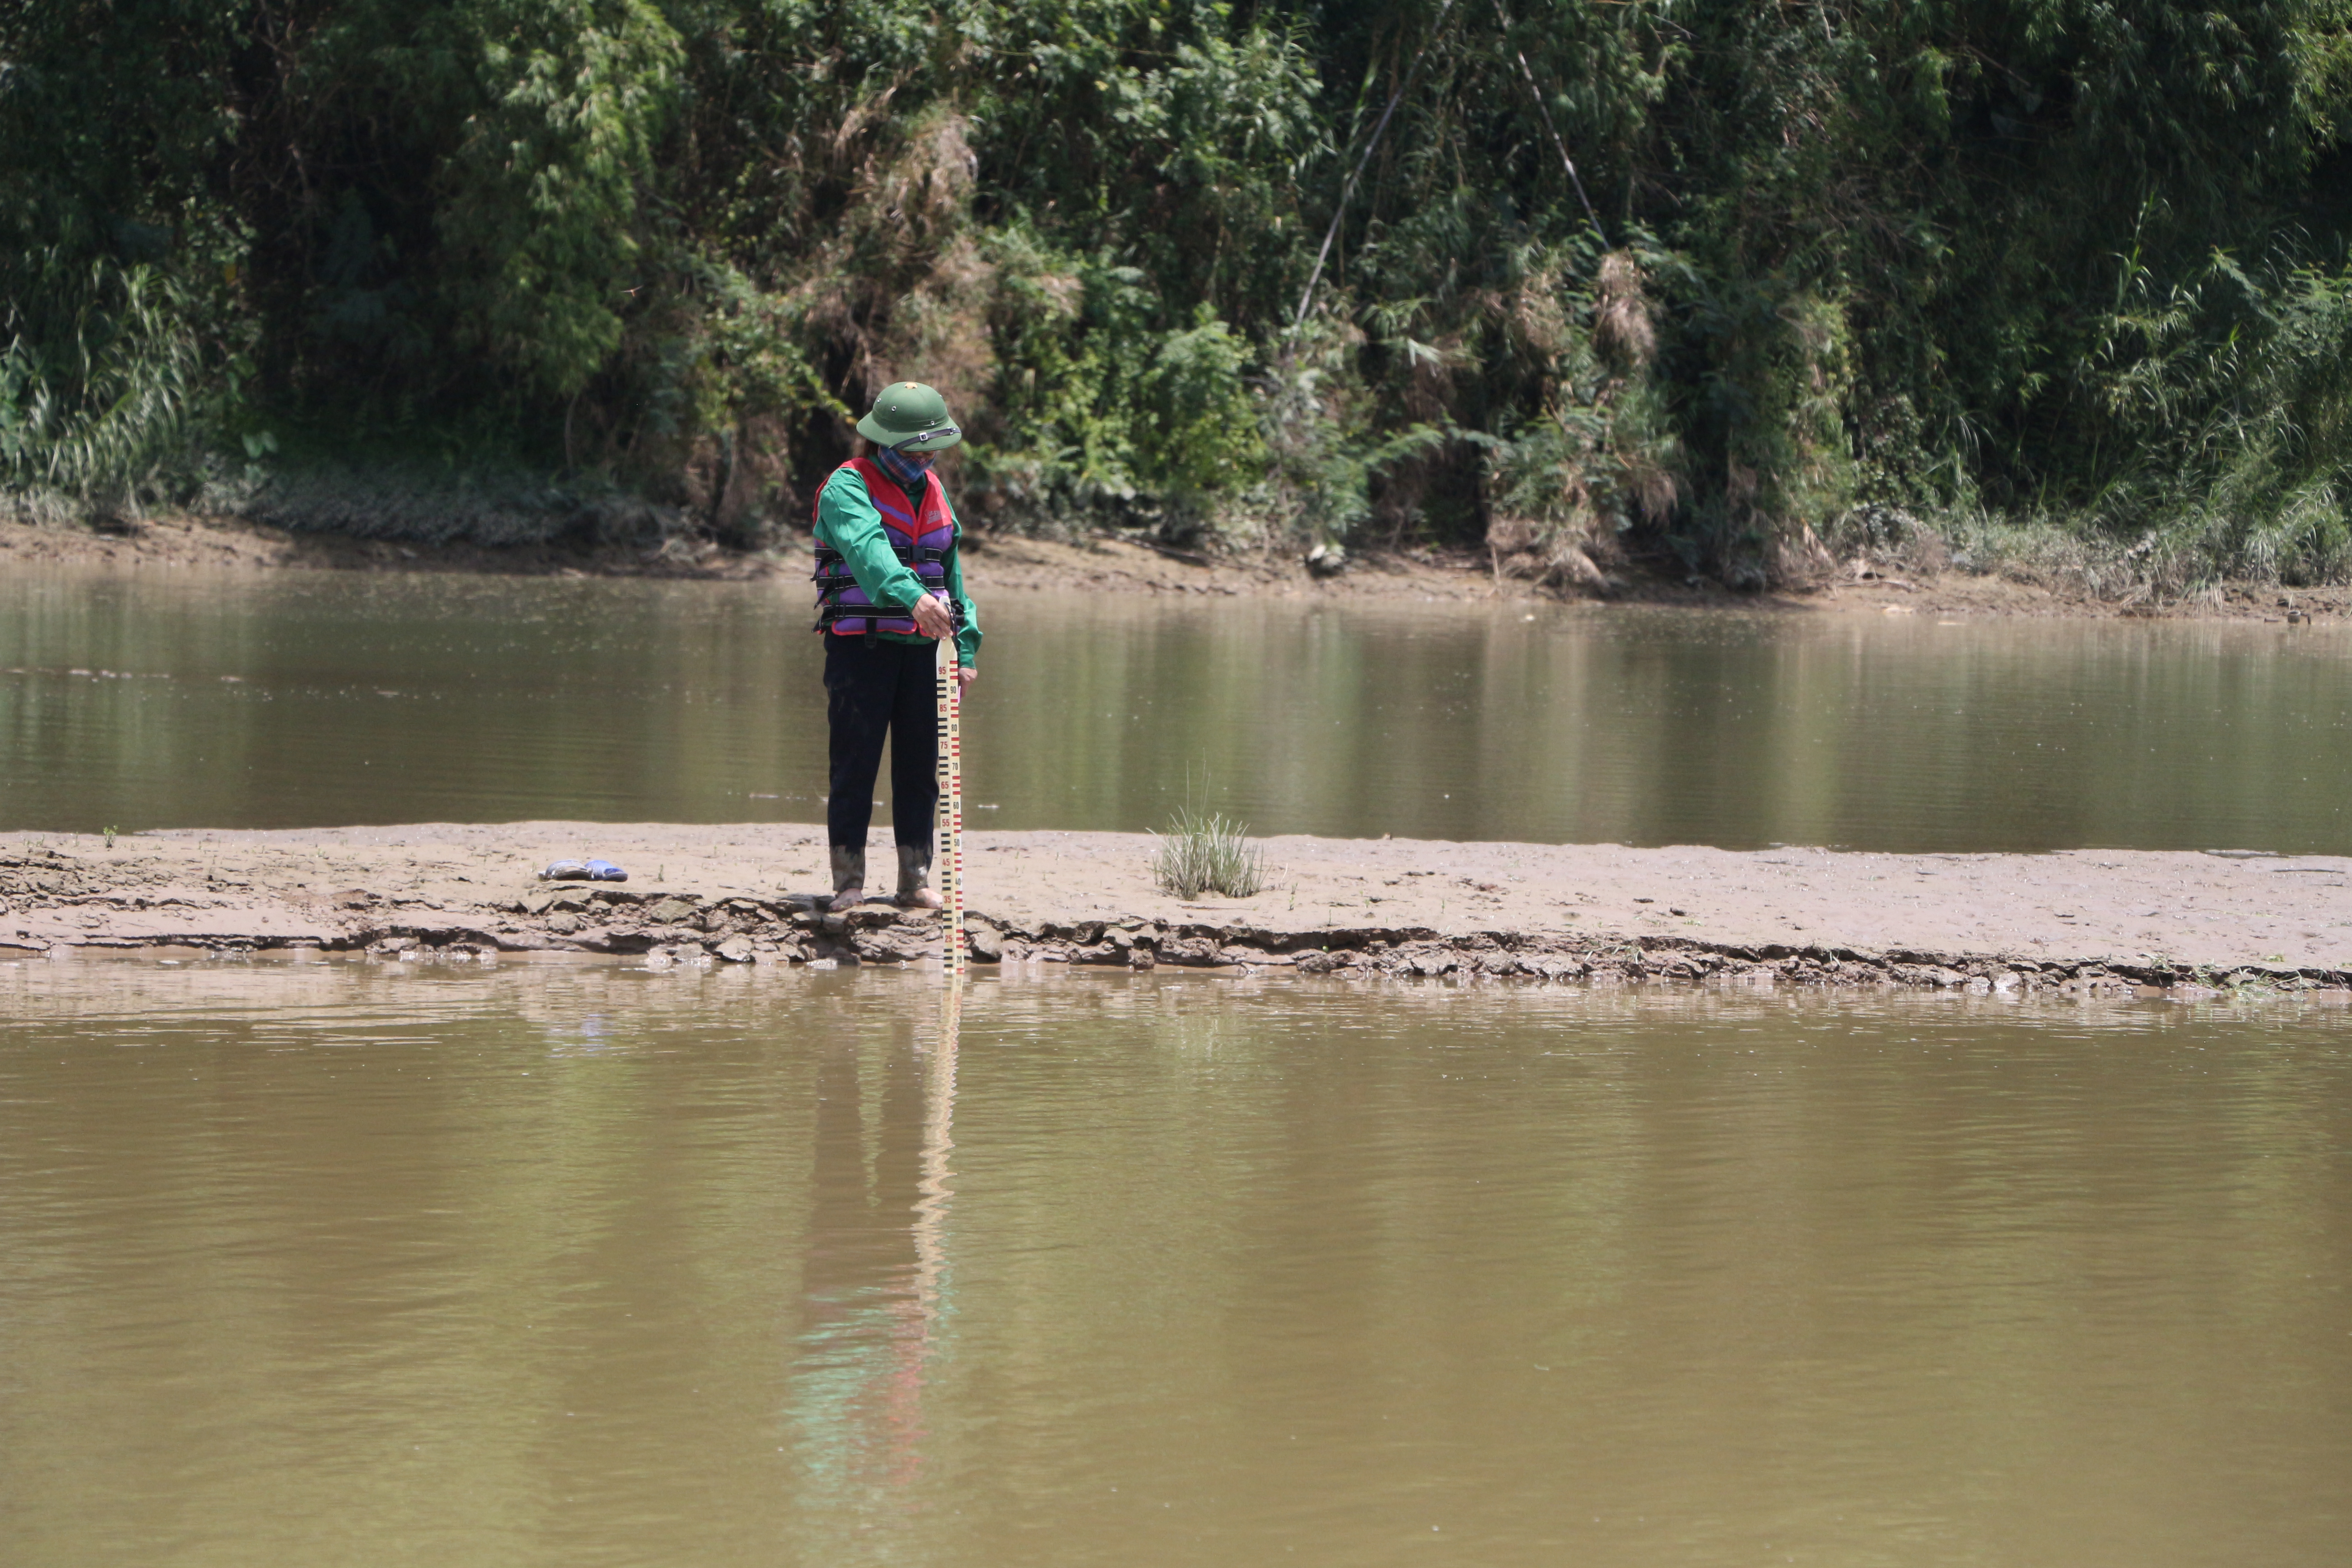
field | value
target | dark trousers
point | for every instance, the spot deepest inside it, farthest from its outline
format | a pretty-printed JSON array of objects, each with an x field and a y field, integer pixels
[{"x": 875, "y": 688}]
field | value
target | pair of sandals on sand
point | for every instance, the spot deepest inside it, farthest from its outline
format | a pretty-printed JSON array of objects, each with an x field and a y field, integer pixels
[{"x": 583, "y": 871}]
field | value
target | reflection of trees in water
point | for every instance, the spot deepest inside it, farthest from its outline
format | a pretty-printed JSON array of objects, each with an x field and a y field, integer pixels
[{"x": 877, "y": 1283}]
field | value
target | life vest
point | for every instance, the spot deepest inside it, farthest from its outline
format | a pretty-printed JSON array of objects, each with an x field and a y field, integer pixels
[{"x": 921, "y": 533}]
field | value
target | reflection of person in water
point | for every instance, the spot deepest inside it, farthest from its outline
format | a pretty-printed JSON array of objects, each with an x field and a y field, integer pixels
[{"x": 874, "y": 1285}]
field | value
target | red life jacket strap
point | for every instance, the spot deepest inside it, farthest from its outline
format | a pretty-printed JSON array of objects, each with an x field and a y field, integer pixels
[
  {"x": 928, "y": 515},
  {"x": 904, "y": 530}
]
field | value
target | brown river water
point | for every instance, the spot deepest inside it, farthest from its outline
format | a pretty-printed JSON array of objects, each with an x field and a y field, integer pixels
[
  {"x": 322, "y": 700},
  {"x": 354, "y": 1263}
]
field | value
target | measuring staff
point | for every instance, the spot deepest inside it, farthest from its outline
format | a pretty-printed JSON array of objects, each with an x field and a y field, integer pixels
[{"x": 889, "y": 590}]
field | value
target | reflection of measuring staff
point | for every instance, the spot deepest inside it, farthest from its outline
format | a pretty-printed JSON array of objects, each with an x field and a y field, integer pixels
[{"x": 938, "y": 1144}]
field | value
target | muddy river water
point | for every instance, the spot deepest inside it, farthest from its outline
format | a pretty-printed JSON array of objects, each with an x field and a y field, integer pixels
[
  {"x": 310, "y": 1263},
  {"x": 316, "y": 700},
  {"x": 356, "y": 1263}
]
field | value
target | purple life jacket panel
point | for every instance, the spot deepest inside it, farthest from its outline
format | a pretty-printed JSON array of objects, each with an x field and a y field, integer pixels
[{"x": 921, "y": 533}]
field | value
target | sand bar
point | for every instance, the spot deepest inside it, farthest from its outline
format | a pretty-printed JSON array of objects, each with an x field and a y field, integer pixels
[{"x": 2186, "y": 921}]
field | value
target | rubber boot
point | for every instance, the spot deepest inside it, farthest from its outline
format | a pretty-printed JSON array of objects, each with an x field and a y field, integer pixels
[
  {"x": 848, "y": 877},
  {"x": 914, "y": 878}
]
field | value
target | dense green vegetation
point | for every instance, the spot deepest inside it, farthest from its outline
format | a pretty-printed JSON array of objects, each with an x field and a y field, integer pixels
[{"x": 1565, "y": 277}]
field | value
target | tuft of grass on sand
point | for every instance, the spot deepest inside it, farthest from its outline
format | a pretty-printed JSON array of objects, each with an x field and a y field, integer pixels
[{"x": 1207, "y": 852}]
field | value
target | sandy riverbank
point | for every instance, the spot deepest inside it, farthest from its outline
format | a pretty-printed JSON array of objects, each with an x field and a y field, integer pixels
[
  {"x": 996, "y": 562},
  {"x": 2107, "y": 919}
]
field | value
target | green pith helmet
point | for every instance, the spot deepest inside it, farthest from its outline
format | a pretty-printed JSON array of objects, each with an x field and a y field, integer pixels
[{"x": 911, "y": 417}]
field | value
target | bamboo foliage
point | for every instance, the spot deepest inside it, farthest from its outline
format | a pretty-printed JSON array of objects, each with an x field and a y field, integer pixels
[{"x": 90, "y": 413}]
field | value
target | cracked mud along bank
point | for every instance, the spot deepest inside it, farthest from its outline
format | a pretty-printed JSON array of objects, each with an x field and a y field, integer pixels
[{"x": 2183, "y": 920}]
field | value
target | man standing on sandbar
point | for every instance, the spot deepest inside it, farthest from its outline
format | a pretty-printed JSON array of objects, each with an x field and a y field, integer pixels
[{"x": 888, "y": 587}]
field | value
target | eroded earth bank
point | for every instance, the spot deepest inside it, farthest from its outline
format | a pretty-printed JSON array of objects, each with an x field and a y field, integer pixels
[{"x": 2190, "y": 923}]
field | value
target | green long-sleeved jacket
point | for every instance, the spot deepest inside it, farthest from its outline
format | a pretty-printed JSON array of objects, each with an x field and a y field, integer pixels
[{"x": 847, "y": 521}]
